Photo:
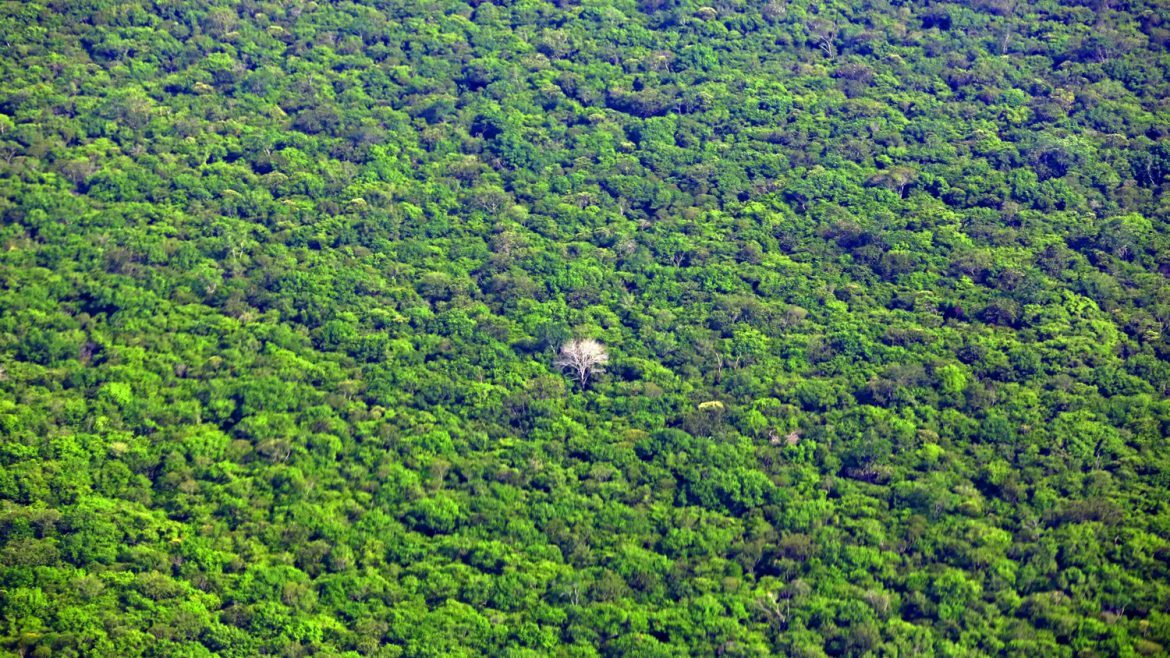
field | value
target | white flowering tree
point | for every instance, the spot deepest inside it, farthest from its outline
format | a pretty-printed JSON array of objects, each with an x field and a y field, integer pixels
[{"x": 583, "y": 359}]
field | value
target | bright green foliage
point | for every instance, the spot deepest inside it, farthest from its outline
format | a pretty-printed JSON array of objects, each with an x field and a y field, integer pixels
[{"x": 884, "y": 288}]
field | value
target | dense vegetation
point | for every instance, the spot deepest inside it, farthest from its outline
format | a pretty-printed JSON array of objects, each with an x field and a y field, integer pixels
[{"x": 884, "y": 286}]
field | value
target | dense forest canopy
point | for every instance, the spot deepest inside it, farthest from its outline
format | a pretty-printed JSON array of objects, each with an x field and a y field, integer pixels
[{"x": 883, "y": 286}]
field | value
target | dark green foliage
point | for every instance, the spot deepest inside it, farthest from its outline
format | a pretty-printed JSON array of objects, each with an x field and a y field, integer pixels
[{"x": 885, "y": 289}]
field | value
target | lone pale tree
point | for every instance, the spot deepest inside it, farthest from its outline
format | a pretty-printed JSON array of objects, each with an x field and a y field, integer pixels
[{"x": 583, "y": 358}]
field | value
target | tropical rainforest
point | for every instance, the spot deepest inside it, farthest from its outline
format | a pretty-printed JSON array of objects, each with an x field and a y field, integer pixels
[{"x": 875, "y": 293}]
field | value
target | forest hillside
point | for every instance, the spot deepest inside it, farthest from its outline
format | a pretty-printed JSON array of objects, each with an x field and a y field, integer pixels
[{"x": 594, "y": 328}]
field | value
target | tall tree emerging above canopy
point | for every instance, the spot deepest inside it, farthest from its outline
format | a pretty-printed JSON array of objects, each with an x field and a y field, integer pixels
[{"x": 583, "y": 358}]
